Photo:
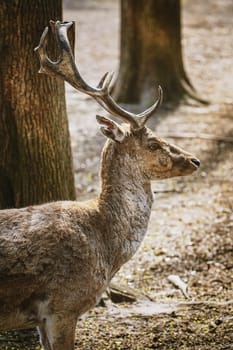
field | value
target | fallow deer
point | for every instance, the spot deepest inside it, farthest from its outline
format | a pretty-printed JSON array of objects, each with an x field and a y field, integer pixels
[{"x": 56, "y": 259}]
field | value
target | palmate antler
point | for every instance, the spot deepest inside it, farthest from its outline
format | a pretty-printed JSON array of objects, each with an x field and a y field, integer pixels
[{"x": 66, "y": 68}]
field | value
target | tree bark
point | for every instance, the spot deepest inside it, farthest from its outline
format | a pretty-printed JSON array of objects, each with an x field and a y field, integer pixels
[
  {"x": 151, "y": 53},
  {"x": 36, "y": 161}
]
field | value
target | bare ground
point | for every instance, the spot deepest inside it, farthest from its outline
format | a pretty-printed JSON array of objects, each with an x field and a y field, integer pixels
[{"x": 191, "y": 228}]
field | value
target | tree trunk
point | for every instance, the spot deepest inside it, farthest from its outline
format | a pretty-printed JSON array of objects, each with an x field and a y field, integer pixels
[
  {"x": 36, "y": 161},
  {"x": 151, "y": 53}
]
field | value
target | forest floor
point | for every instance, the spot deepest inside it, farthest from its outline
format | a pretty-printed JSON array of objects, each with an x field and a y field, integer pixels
[{"x": 190, "y": 234}]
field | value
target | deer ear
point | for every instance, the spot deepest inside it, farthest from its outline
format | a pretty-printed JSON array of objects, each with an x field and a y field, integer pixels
[{"x": 110, "y": 129}]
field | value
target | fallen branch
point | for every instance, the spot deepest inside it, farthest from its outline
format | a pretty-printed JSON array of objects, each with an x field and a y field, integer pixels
[
  {"x": 205, "y": 303},
  {"x": 167, "y": 191},
  {"x": 227, "y": 139},
  {"x": 177, "y": 281},
  {"x": 120, "y": 294}
]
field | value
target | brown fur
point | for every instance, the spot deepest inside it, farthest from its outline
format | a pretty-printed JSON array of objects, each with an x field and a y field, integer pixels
[{"x": 56, "y": 259}]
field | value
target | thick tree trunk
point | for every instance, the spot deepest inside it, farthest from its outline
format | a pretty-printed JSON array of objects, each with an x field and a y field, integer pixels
[
  {"x": 151, "y": 52},
  {"x": 35, "y": 153},
  {"x": 35, "y": 161}
]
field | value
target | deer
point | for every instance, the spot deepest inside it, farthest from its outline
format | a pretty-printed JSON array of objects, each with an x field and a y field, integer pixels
[{"x": 56, "y": 259}]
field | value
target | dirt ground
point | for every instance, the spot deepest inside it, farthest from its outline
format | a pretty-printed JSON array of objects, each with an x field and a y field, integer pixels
[{"x": 190, "y": 234}]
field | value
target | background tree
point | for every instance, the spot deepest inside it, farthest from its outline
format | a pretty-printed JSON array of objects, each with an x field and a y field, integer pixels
[
  {"x": 151, "y": 53},
  {"x": 35, "y": 162}
]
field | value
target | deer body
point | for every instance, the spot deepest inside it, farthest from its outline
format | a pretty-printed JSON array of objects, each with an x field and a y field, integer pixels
[
  {"x": 70, "y": 248},
  {"x": 56, "y": 259},
  {"x": 61, "y": 256}
]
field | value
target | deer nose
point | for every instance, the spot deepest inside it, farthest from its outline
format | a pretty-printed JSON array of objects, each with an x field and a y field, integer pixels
[{"x": 196, "y": 162}]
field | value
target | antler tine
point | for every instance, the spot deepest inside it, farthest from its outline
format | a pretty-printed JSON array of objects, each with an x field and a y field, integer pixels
[
  {"x": 138, "y": 120},
  {"x": 105, "y": 81},
  {"x": 144, "y": 116},
  {"x": 66, "y": 68},
  {"x": 101, "y": 82}
]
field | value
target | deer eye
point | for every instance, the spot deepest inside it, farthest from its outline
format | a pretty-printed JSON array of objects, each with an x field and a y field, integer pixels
[{"x": 154, "y": 146}]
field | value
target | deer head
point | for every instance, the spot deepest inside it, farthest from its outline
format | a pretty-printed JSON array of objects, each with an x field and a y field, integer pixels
[{"x": 156, "y": 158}]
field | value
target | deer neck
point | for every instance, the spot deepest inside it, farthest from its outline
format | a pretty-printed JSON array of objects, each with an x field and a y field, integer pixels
[{"x": 124, "y": 203}]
